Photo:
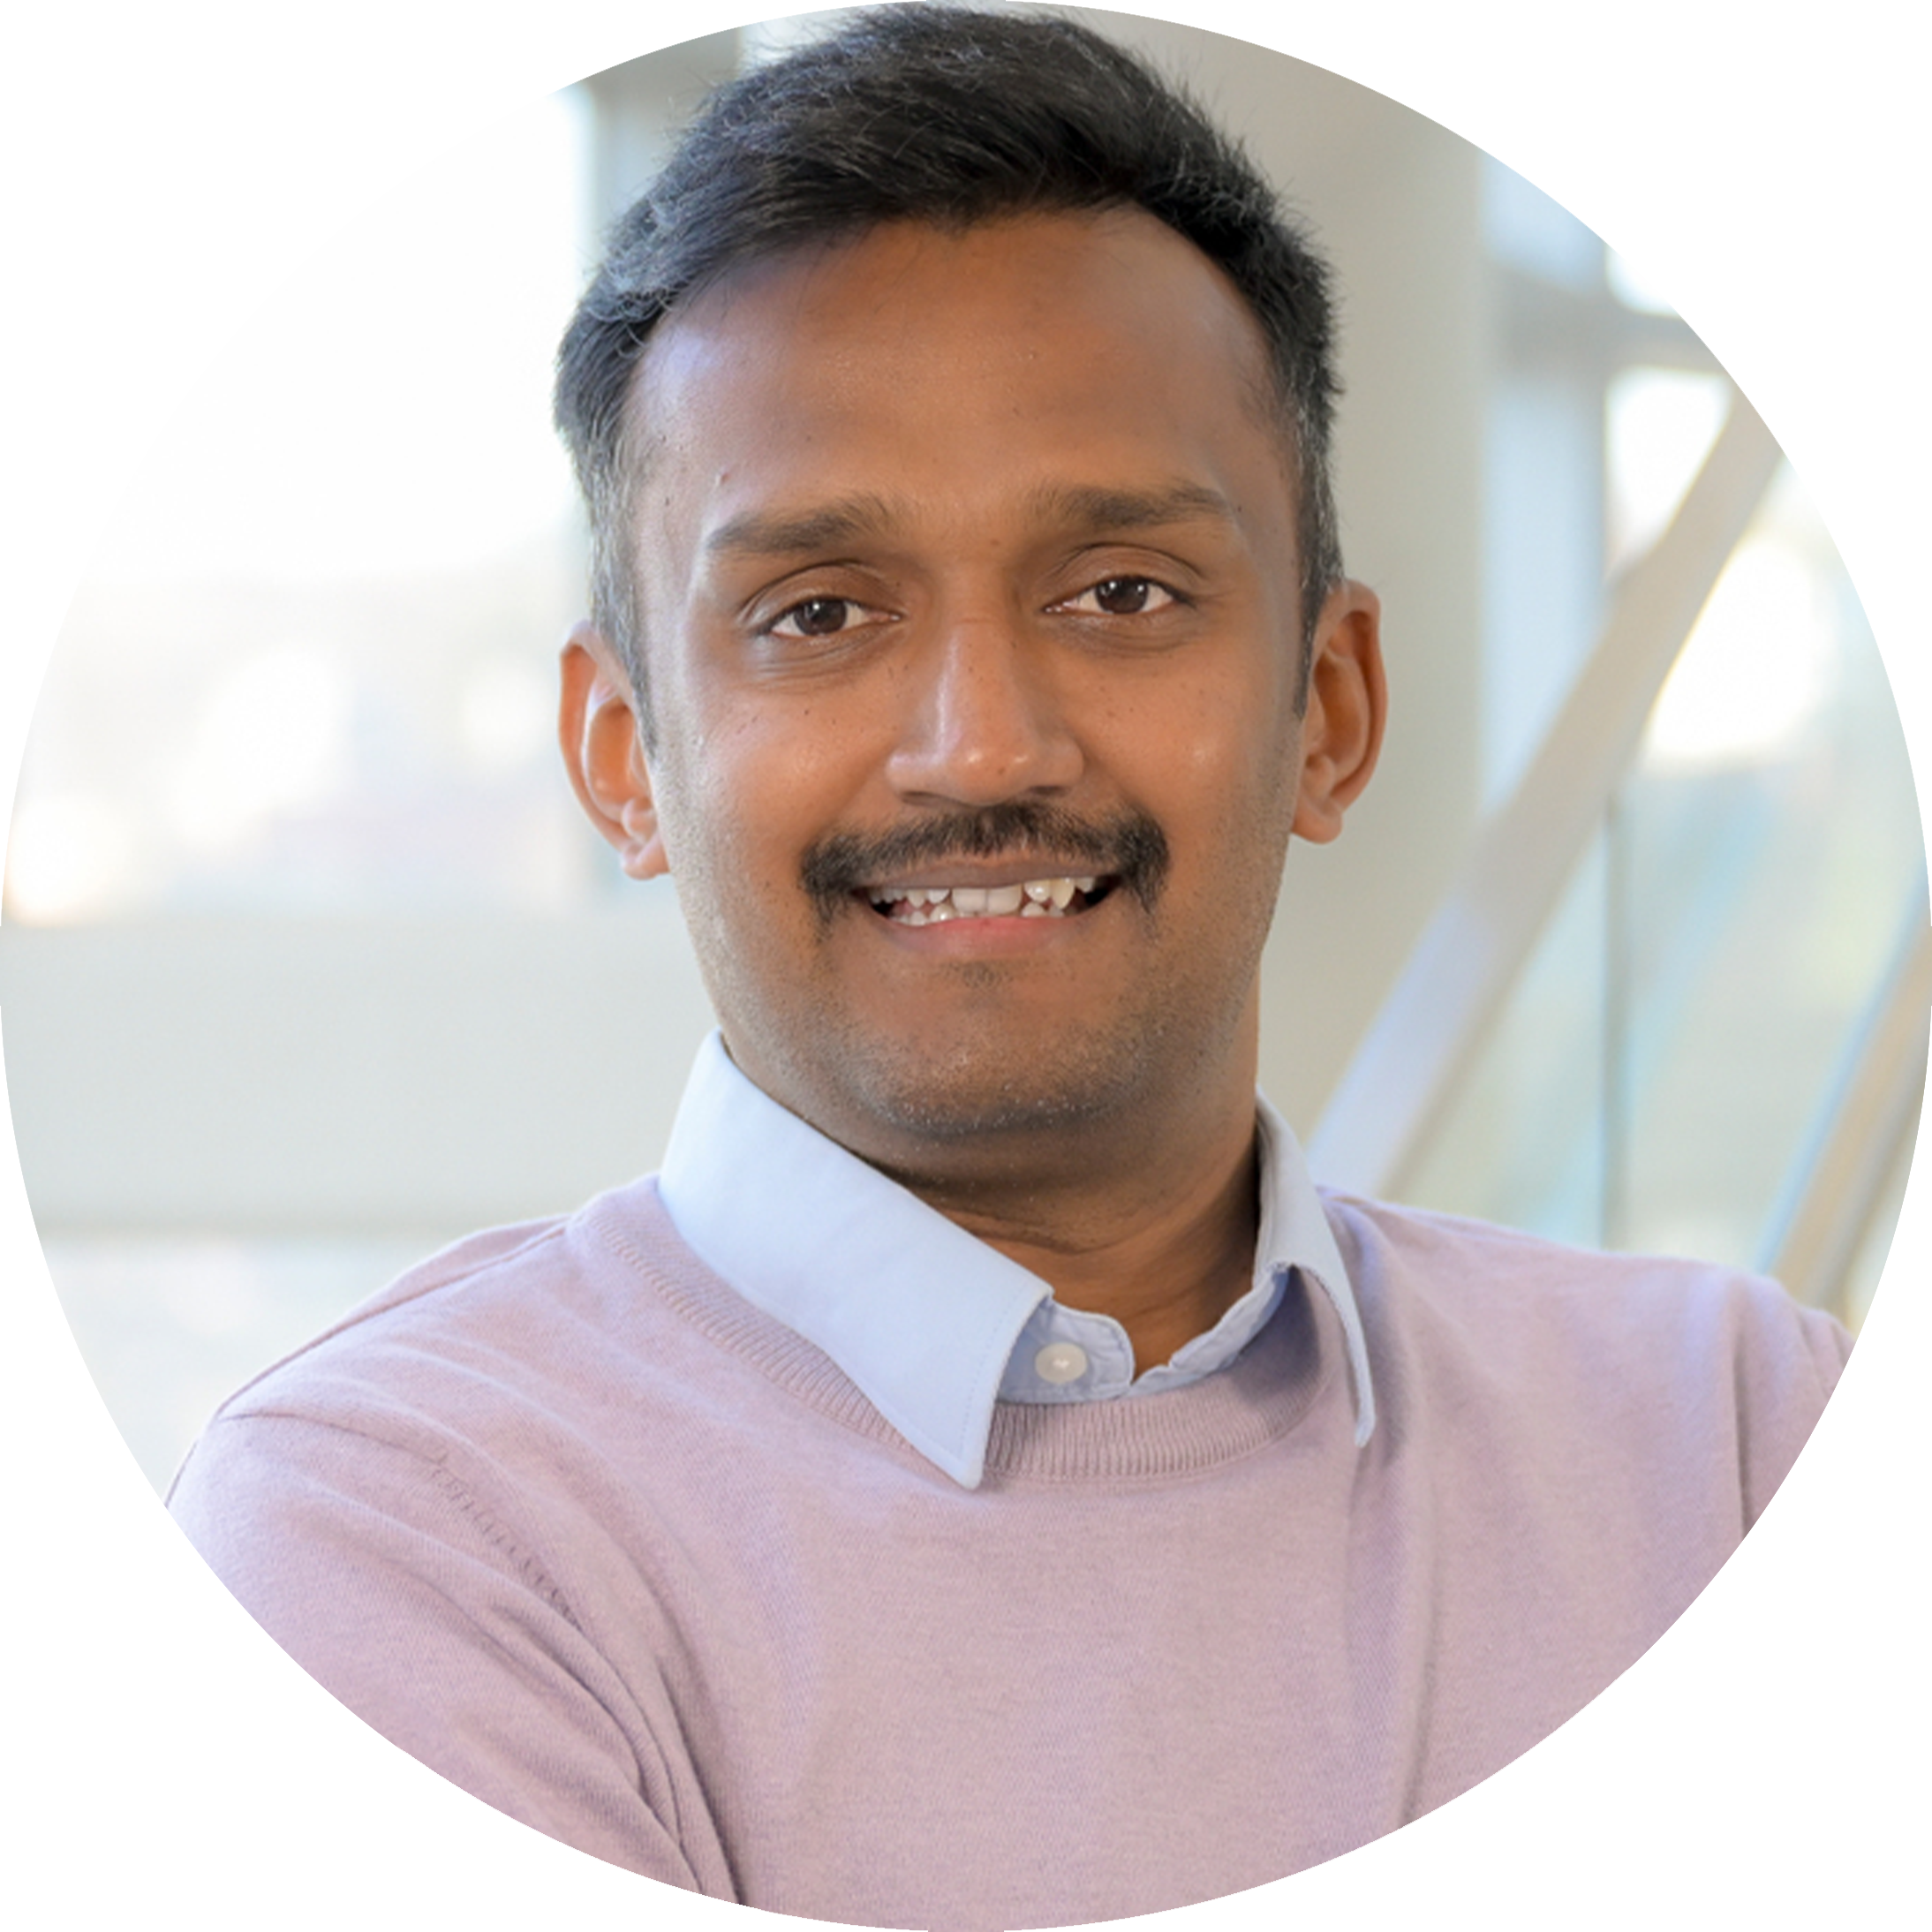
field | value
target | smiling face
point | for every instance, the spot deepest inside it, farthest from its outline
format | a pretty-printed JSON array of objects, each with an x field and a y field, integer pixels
[{"x": 966, "y": 575}]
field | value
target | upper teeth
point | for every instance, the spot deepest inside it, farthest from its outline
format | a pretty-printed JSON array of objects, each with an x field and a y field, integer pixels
[{"x": 930, "y": 905}]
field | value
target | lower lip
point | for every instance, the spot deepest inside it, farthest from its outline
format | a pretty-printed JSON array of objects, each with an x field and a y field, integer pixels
[{"x": 1005, "y": 935}]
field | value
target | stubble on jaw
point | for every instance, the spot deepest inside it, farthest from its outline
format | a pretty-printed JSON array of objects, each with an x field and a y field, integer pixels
[
  {"x": 972, "y": 1086},
  {"x": 987, "y": 1109},
  {"x": 974, "y": 1105}
]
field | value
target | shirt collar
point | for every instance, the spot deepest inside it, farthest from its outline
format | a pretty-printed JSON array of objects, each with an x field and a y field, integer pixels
[{"x": 920, "y": 1315}]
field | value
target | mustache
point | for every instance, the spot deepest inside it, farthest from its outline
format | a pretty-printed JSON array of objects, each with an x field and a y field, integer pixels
[{"x": 1128, "y": 845}]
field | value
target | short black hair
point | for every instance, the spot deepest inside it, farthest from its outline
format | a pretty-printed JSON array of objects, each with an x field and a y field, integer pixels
[{"x": 938, "y": 114}]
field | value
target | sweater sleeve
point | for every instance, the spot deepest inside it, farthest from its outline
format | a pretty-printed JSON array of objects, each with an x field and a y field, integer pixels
[
  {"x": 1788, "y": 1359},
  {"x": 376, "y": 1568}
]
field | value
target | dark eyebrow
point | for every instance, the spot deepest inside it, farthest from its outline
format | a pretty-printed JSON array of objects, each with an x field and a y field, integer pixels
[
  {"x": 826, "y": 527},
  {"x": 1100, "y": 511},
  {"x": 1089, "y": 509}
]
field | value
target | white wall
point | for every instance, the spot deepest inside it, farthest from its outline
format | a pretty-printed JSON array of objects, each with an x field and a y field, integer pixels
[{"x": 294, "y": 1075}]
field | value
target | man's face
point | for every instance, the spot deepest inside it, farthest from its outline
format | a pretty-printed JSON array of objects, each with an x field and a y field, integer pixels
[{"x": 970, "y": 603}]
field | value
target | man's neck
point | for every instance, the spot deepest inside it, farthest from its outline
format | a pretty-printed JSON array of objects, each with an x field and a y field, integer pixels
[{"x": 1159, "y": 1233}]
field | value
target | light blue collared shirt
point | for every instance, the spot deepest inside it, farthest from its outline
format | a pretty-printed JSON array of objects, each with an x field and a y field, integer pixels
[{"x": 932, "y": 1324}]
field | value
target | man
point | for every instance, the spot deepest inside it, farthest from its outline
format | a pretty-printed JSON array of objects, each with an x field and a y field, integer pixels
[{"x": 980, "y": 1482}]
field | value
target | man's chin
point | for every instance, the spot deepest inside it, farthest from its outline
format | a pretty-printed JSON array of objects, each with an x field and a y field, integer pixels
[{"x": 991, "y": 1101}]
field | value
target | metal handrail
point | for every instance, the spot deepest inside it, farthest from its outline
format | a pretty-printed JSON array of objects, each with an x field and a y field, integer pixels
[
  {"x": 1410, "y": 1064},
  {"x": 1838, "y": 1181}
]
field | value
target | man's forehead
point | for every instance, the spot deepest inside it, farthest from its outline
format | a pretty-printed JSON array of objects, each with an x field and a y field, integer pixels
[
  {"x": 913, "y": 344},
  {"x": 899, "y": 282}
]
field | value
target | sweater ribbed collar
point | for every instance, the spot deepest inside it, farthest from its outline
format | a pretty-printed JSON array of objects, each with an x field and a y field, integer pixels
[{"x": 922, "y": 1316}]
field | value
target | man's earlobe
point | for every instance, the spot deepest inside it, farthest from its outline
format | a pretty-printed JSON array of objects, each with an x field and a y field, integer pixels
[
  {"x": 597, "y": 732},
  {"x": 1347, "y": 710}
]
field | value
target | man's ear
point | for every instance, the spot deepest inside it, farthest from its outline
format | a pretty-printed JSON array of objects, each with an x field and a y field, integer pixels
[
  {"x": 1348, "y": 707},
  {"x": 597, "y": 728}
]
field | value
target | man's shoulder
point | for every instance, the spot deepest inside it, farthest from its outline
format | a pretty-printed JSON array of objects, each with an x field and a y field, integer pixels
[
  {"x": 460, "y": 1285},
  {"x": 473, "y": 1404},
  {"x": 541, "y": 1310},
  {"x": 1444, "y": 1288},
  {"x": 1455, "y": 1263}
]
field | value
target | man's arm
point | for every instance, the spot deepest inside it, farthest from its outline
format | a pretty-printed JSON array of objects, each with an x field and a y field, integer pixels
[{"x": 380, "y": 1570}]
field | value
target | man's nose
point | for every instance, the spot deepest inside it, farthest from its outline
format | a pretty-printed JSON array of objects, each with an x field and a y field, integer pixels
[{"x": 983, "y": 719}]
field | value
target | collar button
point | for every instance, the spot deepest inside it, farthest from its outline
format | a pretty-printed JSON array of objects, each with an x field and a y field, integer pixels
[{"x": 1060, "y": 1363}]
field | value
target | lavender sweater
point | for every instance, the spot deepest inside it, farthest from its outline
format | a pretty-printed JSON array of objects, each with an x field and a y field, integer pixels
[{"x": 565, "y": 1517}]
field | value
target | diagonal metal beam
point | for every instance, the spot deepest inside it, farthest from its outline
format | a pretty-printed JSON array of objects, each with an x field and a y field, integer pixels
[
  {"x": 1839, "y": 1180},
  {"x": 1409, "y": 1066}
]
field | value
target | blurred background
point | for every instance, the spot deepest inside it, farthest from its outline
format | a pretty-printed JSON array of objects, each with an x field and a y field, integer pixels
[{"x": 308, "y": 964}]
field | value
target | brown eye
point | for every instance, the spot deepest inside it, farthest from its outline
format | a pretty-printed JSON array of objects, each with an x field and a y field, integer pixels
[
  {"x": 816, "y": 617},
  {"x": 1122, "y": 597}
]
